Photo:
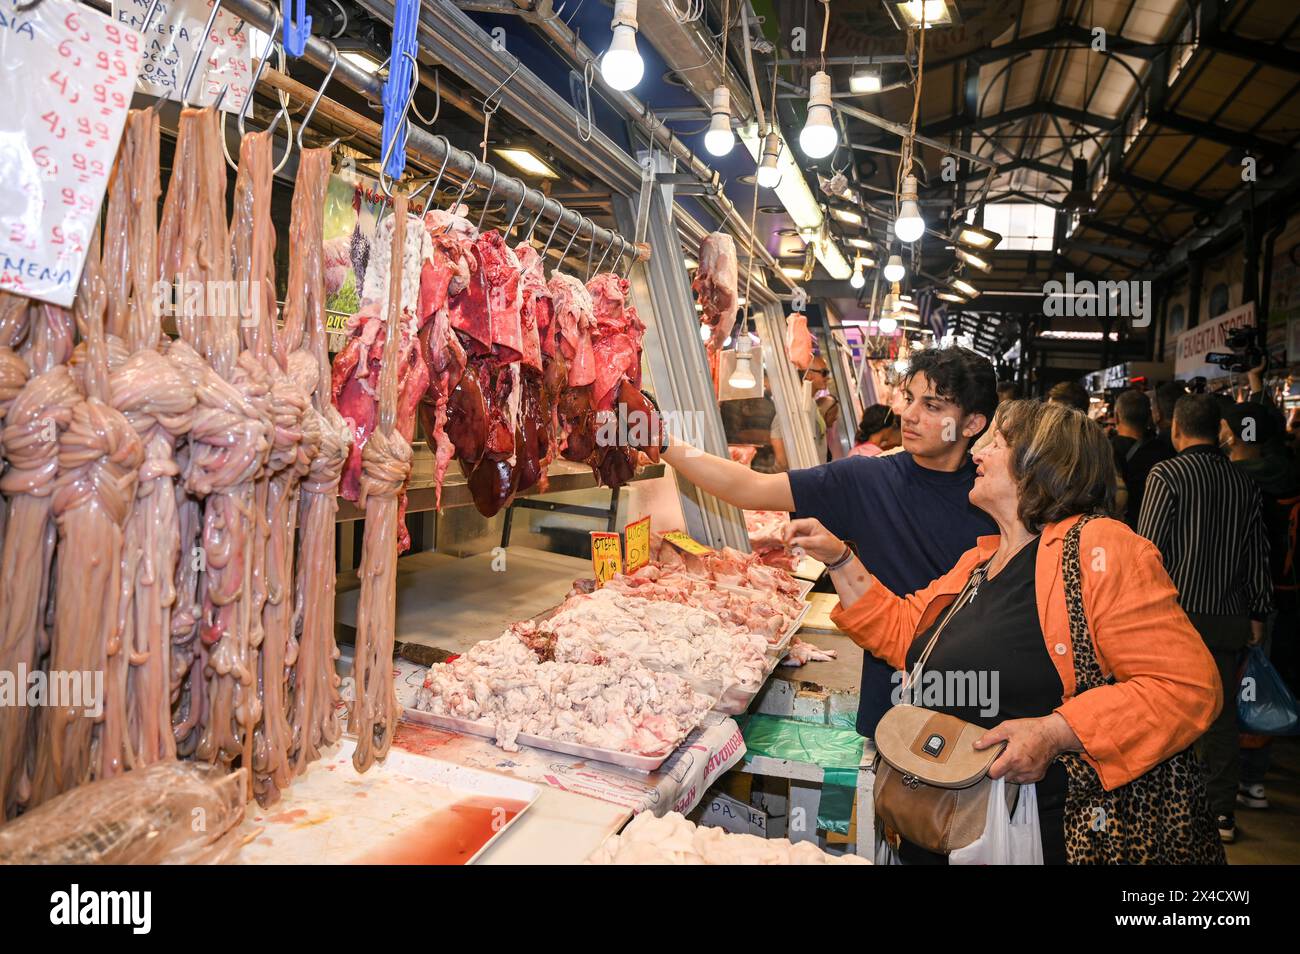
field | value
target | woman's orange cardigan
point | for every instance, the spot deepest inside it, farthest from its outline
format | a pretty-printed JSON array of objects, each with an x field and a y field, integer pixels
[{"x": 1167, "y": 689}]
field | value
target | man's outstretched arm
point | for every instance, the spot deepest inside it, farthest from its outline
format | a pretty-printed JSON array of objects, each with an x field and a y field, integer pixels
[{"x": 728, "y": 481}]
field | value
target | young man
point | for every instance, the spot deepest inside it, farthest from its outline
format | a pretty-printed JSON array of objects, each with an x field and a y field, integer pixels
[
  {"x": 1137, "y": 449},
  {"x": 906, "y": 514},
  {"x": 1204, "y": 516}
]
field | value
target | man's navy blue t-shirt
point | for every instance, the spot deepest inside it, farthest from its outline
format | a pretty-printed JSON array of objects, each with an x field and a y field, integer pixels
[{"x": 910, "y": 526}]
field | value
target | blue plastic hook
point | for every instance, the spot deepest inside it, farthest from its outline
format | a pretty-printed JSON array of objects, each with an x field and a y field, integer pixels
[
  {"x": 297, "y": 26},
  {"x": 398, "y": 89}
]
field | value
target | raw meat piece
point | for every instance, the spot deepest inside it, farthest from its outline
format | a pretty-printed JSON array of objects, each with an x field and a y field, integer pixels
[
  {"x": 535, "y": 309},
  {"x": 358, "y": 365},
  {"x": 99, "y": 460},
  {"x": 802, "y": 653},
  {"x": 386, "y": 466},
  {"x": 716, "y": 287},
  {"x": 673, "y": 840},
  {"x": 40, "y": 412},
  {"x": 575, "y": 321},
  {"x": 798, "y": 341},
  {"x": 663, "y": 636},
  {"x": 616, "y": 342},
  {"x": 618, "y": 706},
  {"x": 314, "y": 681}
]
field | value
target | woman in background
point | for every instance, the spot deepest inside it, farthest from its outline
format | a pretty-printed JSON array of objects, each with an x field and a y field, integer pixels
[{"x": 878, "y": 431}]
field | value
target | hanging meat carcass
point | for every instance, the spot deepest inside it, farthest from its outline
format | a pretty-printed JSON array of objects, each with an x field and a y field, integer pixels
[
  {"x": 99, "y": 459},
  {"x": 483, "y": 417},
  {"x": 445, "y": 274},
  {"x": 628, "y": 422},
  {"x": 315, "y": 683},
  {"x": 38, "y": 416},
  {"x": 386, "y": 466},
  {"x": 537, "y": 406},
  {"x": 358, "y": 364},
  {"x": 716, "y": 287},
  {"x": 574, "y": 317}
]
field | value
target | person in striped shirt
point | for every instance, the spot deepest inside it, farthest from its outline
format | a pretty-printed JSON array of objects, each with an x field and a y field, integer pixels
[{"x": 1205, "y": 517}]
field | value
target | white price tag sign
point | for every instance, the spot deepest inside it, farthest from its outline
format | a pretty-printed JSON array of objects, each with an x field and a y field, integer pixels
[
  {"x": 172, "y": 41},
  {"x": 66, "y": 75}
]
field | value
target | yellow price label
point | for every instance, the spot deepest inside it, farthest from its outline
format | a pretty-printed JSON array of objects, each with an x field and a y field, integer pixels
[
  {"x": 606, "y": 555},
  {"x": 638, "y": 544},
  {"x": 684, "y": 543},
  {"x": 336, "y": 322}
]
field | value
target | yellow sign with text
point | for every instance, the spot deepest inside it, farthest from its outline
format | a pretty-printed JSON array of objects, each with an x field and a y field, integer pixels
[
  {"x": 606, "y": 555},
  {"x": 684, "y": 543},
  {"x": 638, "y": 544}
]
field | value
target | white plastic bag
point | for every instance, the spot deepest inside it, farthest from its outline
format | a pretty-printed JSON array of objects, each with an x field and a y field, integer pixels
[{"x": 1007, "y": 839}]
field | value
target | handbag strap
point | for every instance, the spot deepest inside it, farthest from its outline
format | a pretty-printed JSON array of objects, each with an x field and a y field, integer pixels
[
  {"x": 914, "y": 678},
  {"x": 1087, "y": 671}
]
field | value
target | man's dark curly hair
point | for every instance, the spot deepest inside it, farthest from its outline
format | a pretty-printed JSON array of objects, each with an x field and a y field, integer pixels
[{"x": 961, "y": 376}]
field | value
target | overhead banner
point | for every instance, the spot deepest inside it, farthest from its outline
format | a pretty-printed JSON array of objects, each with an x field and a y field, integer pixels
[{"x": 1195, "y": 343}]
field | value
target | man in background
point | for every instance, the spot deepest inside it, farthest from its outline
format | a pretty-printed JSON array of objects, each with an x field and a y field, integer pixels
[
  {"x": 1071, "y": 394},
  {"x": 1162, "y": 411},
  {"x": 1204, "y": 516},
  {"x": 1137, "y": 449}
]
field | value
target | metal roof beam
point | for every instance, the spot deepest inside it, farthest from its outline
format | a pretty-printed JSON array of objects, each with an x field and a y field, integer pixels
[
  {"x": 1118, "y": 231},
  {"x": 1232, "y": 138},
  {"x": 1077, "y": 116},
  {"x": 1270, "y": 54},
  {"x": 1169, "y": 192},
  {"x": 1064, "y": 35}
]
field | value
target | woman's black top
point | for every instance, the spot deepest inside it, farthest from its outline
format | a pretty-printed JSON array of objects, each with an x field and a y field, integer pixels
[{"x": 990, "y": 665}]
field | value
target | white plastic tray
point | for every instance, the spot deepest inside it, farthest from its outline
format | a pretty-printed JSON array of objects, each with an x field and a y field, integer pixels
[
  {"x": 335, "y": 815},
  {"x": 639, "y": 763}
]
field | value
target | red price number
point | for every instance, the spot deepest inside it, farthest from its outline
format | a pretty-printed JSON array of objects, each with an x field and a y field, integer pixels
[
  {"x": 55, "y": 123},
  {"x": 112, "y": 65},
  {"x": 59, "y": 80},
  {"x": 69, "y": 52},
  {"x": 88, "y": 168},
  {"x": 94, "y": 132},
  {"x": 74, "y": 199},
  {"x": 41, "y": 156},
  {"x": 114, "y": 99},
  {"x": 59, "y": 237},
  {"x": 127, "y": 38},
  {"x": 74, "y": 27}
]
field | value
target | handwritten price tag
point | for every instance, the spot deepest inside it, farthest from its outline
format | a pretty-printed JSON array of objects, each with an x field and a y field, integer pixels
[
  {"x": 172, "y": 41},
  {"x": 638, "y": 544},
  {"x": 606, "y": 555},
  {"x": 684, "y": 543},
  {"x": 66, "y": 86}
]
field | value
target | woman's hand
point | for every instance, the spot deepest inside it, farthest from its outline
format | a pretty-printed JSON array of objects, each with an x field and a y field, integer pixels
[
  {"x": 814, "y": 539},
  {"x": 1032, "y": 744}
]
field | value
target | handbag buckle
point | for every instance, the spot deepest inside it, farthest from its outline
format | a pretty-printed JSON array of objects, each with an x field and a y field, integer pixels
[{"x": 911, "y": 781}]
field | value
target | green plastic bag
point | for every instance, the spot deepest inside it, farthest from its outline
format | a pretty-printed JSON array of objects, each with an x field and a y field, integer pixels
[{"x": 837, "y": 749}]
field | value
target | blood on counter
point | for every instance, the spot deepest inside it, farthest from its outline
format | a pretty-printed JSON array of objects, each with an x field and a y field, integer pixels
[{"x": 450, "y": 836}]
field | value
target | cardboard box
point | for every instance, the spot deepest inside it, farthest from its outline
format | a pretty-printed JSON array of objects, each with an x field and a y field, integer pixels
[{"x": 723, "y": 811}]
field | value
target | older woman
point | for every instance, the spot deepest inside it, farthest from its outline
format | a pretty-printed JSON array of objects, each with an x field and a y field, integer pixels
[{"x": 1044, "y": 467}]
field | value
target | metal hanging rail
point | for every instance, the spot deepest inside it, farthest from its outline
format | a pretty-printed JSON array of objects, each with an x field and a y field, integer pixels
[{"x": 435, "y": 152}]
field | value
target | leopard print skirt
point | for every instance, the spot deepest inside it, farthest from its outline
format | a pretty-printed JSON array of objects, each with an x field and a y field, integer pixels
[{"x": 1163, "y": 816}]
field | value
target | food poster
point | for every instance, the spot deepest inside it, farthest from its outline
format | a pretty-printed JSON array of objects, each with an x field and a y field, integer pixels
[{"x": 352, "y": 206}]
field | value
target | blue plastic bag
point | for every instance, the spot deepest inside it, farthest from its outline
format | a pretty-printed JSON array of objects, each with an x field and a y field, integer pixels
[{"x": 1265, "y": 705}]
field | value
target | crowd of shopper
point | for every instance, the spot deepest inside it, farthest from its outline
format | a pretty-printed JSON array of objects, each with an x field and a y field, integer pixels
[{"x": 1191, "y": 503}]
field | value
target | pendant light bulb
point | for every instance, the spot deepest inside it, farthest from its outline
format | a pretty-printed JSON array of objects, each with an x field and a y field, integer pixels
[
  {"x": 909, "y": 226},
  {"x": 818, "y": 137},
  {"x": 857, "y": 280},
  {"x": 769, "y": 175},
  {"x": 894, "y": 270},
  {"x": 742, "y": 377},
  {"x": 622, "y": 66},
  {"x": 719, "y": 139}
]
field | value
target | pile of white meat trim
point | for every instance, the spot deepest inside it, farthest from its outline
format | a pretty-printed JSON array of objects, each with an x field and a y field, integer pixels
[{"x": 672, "y": 840}]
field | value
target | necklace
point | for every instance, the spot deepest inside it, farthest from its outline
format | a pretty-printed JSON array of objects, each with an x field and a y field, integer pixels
[{"x": 982, "y": 571}]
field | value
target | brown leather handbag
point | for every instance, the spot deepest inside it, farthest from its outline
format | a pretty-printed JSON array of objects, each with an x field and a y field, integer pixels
[{"x": 932, "y": 786}]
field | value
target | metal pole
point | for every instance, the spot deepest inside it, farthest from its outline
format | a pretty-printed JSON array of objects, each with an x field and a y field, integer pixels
[{"x": 431, "y": 150}]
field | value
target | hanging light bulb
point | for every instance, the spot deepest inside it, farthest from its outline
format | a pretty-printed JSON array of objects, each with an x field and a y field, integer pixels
[
  {"x": 769, "y": 174},
  {"x": 621, "y": 66},
  {"x": 887, "y": 324},
  {"x": 719, "y": 139},
  {"x": 894, "y": 270},
  {"x": 818, "y": 138},
  {"x": 742, "y": 378},
  {"x": 901, "y": 366},
  {"x": 909, "y": 226},
  {"x": 857, "y": 280}
]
